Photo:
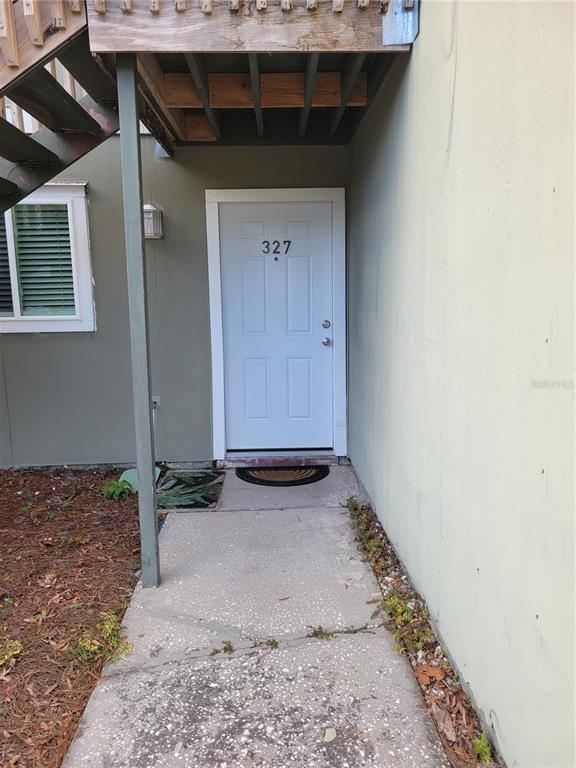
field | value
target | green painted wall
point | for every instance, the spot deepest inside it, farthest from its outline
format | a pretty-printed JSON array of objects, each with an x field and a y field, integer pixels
[
  {"x": 461, "y": 350},
  {"x": 66, "y": 398}
]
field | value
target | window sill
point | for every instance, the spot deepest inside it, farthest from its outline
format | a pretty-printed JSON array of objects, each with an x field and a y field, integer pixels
[{"x": 51, "y": 325}]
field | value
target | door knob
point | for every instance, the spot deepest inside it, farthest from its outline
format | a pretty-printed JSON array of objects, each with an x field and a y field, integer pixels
[{"x": 326, "y": 341}]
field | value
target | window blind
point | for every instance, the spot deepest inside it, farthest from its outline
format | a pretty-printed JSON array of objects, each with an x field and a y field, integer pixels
[
  {"x": 44, "y": 259},
  {"x": 5, "y": 288}
]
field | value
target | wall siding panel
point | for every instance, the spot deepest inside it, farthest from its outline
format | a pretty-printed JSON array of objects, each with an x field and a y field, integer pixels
[
  {"x": 69, "y": 395},
  {"x": 461, "y": 350}
]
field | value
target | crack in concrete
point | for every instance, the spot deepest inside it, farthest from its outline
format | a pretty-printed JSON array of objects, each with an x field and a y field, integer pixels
[{"x": 243, "y": 649}]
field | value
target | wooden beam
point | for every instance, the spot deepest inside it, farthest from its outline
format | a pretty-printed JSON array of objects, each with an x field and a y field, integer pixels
[
  {"x": 198, "y": 128},
  {"x": 288, "y": 90},
  {"x": 66, "y": 148},
  {"x": 349, "y": 80},
  {"x": 151, "y": 118},
  {"x": 7, "y": 187},
  {"x": 138, "y": 315},
  {"x": 79, "y": 62},
  {"x": 228, "y": 91},
  {"x": 309, "y": 87},
  {"x": 253, "y": 30},
  {"x": 284, "y": 89},
  {"x": 8, "y": 39},
  {"x": 377, "y": 76},
  {"x": 34, "y": 21},
  {"x": 199, "y": 74},
  {"x": 58, "y": 14},
  {"x": 17, "y": 147},
  {"x": 152, "y": 88},
  {"x": 255, "y": 90},
  {"x": 44, "y": 98}
]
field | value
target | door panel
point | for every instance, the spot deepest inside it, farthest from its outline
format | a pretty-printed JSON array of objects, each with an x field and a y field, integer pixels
[{"x": 276, "y": 263}]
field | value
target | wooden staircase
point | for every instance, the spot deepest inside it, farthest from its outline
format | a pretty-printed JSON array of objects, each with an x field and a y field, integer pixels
[{"x": 56, "y": 102}]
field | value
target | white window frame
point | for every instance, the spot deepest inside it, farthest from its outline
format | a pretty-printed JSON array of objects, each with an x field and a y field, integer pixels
[{"x": 72, "y": 195}]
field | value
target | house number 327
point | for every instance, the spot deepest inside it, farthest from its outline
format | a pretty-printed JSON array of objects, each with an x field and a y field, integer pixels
[{"x": 275, "y": 245}]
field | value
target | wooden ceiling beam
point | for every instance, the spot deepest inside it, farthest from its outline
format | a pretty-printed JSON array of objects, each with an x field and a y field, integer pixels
[
  {"x": 199, "y": 74},
  {"x": 198, "y": 128},
  {"x": 152, "y": 89},
  {"x": 255, "y": 92},
  {"x": 277, "y": 90},
  {"x": 349, "y": 79},
  {"x": 309, "y": 87}
]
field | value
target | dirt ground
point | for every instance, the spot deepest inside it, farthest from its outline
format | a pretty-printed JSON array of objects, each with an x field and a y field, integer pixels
[{"x": 68, "y": 565}]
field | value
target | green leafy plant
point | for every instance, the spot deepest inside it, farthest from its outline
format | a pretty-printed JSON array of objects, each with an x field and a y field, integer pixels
[
  {"x": 111, "y": 631},
  {"x": 321, "y": 634},
  {"x": 107, "y": 642},
  {"x": 227, "y": 647},
  {"x": 117, "y": 490},
  {"x": 397, "y": 608},
  {"x": 188, "y": 489},
  {"x": 86, "y": 648},
  {"x": 482, "y": 748},
  {"x": 9, "y": 652}
]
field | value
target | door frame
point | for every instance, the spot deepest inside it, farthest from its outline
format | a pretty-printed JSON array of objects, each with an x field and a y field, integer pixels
[{"x": 334, "y": 195}]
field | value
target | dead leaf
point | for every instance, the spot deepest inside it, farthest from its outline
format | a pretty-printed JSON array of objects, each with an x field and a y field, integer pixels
[
  {"x": 48, "y": 580},
  {"x": 444, "y": 722},
  {"x": 426, "y": 673}
]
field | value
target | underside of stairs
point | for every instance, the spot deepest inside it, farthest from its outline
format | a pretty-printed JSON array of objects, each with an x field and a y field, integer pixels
[{"x": 57, "y": 100}]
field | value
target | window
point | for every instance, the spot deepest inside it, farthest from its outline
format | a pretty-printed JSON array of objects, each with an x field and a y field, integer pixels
[{"x": 45, "y": 276}]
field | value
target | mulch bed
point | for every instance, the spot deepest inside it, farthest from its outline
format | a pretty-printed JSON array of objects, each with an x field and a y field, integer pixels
[
  {"x": 68, "y": 564},
  {"x": 405, "y": 613}
]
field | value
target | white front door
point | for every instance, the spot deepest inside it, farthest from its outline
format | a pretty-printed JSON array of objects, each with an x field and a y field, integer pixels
[{"x": 277, "y": 306}]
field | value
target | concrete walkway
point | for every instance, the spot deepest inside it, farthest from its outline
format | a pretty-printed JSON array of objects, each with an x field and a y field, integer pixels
[{"x": 263, "y": 570}]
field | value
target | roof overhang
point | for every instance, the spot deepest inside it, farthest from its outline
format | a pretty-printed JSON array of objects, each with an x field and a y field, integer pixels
[{"x": 259, "y": 26}]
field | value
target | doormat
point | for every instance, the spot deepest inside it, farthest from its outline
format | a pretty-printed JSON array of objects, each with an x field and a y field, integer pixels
[
  {"x": 282, "y": 476},
  {"x": 194, "y": 490}
]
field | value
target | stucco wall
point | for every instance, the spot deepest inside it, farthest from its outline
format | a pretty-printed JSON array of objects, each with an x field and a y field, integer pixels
[
  {"x": 461, "y": 350},
  {"x": 66, "y": 398}
]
